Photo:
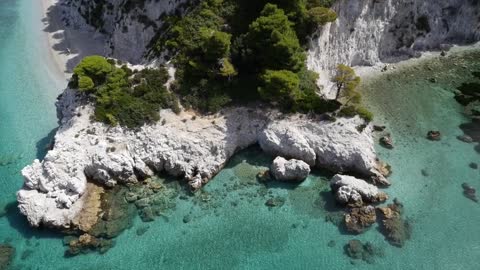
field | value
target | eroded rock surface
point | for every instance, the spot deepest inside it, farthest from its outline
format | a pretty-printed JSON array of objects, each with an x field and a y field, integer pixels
[
  {"x": 191, "y": 149},
  {"x": 289, "y": 170}
]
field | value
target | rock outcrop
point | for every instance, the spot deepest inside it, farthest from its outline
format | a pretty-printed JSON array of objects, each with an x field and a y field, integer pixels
[
  {"x": 196, "y": 150},
  {"x": 396, "y": 229},
  {"x": 354, "y": 191},
  {"x": 357, "y": 220},
  {"x": 289, "y": 170}
]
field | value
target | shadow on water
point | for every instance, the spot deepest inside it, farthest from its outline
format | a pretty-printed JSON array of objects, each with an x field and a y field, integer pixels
[
  {"x": 45, "y": 144},
  {"x": 17, "y": 221}
]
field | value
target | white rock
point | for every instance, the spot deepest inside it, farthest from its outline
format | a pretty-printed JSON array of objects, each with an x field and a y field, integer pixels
[
  {"x": 193, "y": 149},
  {"x": 289, "y": 170},
  {"x": 348, "y": 187}
]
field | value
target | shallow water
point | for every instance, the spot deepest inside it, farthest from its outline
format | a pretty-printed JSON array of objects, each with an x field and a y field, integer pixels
[{"x": 228, "y": 225}]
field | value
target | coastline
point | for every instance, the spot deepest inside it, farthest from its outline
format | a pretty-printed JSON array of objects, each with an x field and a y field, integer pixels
[{"x": 57, "y": 59}]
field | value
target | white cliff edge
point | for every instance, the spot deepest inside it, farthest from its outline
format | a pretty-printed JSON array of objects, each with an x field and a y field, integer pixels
[
  {"x": 372, "y": 32},
  {"x": 195, "y": 149}
]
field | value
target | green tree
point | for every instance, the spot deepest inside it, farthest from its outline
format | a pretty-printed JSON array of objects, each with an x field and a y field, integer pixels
[
  {"x": 280, "y": 85},
  {"x": 321, "y": 15},
  {"x": 95, "y": 67},
  {"x": 215, "y": 44},
  {"x": 346, "y": 81},
  {"x": 273, "y": 42}
]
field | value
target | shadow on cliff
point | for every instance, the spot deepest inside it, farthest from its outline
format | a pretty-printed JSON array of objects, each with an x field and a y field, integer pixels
[
  {"x": 45, "y": 144},
  {"x": 67, "y": 40},
  {"x": 19, "y": 222}
]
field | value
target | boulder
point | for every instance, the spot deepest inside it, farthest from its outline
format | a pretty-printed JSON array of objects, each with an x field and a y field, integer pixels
[
  {"x": 386, "y": 141},
  {"x": 469, "y": 192},
  {"x": 434, "y": 135},
  {"x": 357, "y": 220},
  {"x": 465, "y": 138},
  {"x": 289, "y": 170},
  {"x": 347, "y": 188}
]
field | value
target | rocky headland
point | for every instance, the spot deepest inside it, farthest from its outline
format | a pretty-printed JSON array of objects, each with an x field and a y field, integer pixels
[{"x": 191, "y": 147}]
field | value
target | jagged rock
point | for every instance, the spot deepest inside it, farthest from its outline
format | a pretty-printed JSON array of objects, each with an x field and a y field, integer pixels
[
  {"x": 86, "y": 243},
  {"x": 357, "y": 220},
  {"x": 393, "y": 226},
  {"x": 434, "y": 135},
  {"x": 349, "y": 189},
  {"x": 7, "y": 253},
  {"x": 289, "y": 170},
  {"x": 386, "y": 141},
  {"x": 469, "y": 192},
  {"x": 55, "y": 188}
]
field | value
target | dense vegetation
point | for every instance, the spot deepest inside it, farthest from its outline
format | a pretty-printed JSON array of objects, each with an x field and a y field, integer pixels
[
  {"x": 237, "y": 50},
  {"x": 122, "y": 96},
  {"x": 225, "y": 51}
]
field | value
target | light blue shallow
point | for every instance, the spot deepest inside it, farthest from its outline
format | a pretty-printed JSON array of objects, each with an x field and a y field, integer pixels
[{"x": 250, "y": 235}]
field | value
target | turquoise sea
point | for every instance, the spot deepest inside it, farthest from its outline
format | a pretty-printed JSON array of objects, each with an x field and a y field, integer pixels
[{"x": 228, "y": 226}]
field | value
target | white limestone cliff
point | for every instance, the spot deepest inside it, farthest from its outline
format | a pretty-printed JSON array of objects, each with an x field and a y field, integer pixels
[
  {"x": 369, "y": 32},
  {"x": 181, "y": 145}
]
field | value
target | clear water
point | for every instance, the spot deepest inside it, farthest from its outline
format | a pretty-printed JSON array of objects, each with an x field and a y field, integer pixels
[{"x": 230, "y": 227}]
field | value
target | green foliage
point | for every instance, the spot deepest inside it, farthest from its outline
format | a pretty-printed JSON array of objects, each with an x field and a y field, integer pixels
[
  {"x": 321, "y": 15},
  {"x": 347, "y": 82},
  {"x": 120, "y": 98},
  {"x": 273, "y": 42},
  {"x": 280, "y": 85},
  {"x": 228, "y": 50}
]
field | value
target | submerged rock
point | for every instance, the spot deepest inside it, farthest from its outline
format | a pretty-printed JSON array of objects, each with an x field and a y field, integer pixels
[
  {"x": 434, "y": 135},
  {"x": 7, "y": 252},
  {"x": 275, "y": 202},
  {"x": 473, "y": 165},
  {"x": 393, "y": 226},
  {"x": 465, "y": 138},
  {"x": 289, "y": 170},
  {"x": 356, "y": 250},
  {"x": 357, "y": 220},
  {"x": 386, "y": 141},
  {"x": 86, "y": 243},
  {"x": 469, "y": 192}
]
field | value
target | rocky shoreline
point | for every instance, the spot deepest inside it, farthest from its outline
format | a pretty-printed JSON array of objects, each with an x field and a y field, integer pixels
[{"x": 184, "y": 146}]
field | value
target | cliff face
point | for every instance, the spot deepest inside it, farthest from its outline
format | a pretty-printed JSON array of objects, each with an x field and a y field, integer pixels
[
  {"x": 128, "y": 25},
  {"x": 366, "y": 32},
  {"x": 371, "y": 31}
]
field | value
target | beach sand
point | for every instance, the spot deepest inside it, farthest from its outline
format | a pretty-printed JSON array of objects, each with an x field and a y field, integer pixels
[{"x": 67, "y": 46}]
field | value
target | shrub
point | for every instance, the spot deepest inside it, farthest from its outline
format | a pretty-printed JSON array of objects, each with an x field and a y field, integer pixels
[
  {"x": 365, "y": 114},
  {"x": 116, "y": 101}
]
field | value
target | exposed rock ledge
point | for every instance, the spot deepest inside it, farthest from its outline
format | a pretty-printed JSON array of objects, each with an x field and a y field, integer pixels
[{"x": 193, "y": 148}]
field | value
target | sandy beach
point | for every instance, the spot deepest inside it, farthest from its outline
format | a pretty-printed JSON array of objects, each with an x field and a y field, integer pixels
[{"x": 67, "y": 46}]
